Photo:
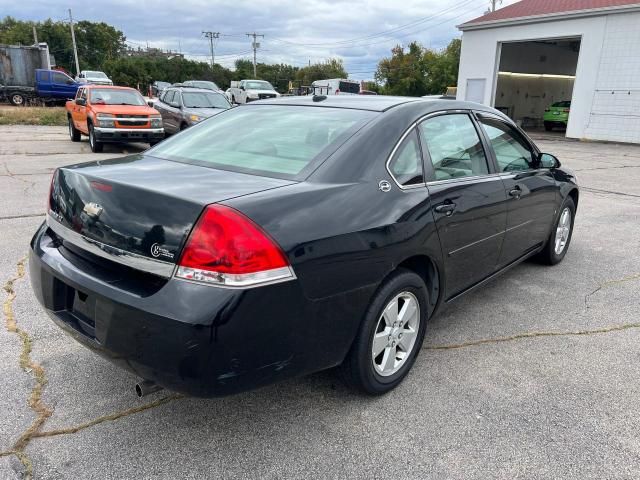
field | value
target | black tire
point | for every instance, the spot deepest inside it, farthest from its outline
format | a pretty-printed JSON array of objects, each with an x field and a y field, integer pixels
[
  {"x": 183, "y": 126},
  {"x": 548, "y": 255},
  {"x": 548, "y": 126},
  {"x": 358, "y": 368},
  {"x": 96, "y": 147},
  {"x": 17, "y": 99},
  {"x": 153, "y": 143},
  {"x": 74, "y": 133}
]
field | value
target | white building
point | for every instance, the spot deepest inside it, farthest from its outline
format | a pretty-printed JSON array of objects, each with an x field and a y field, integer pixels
[{"x": 526, "y": 56}]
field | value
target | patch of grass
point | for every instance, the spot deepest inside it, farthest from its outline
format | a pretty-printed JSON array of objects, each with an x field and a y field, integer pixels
[{"x": 33, "y": 116}]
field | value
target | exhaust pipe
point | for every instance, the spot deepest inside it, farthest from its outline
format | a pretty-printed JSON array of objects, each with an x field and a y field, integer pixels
[{"x": 146, "y": 387}]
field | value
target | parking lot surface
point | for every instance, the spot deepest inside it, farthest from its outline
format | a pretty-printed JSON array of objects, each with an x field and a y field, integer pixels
[{"x": 536, "y": 375}]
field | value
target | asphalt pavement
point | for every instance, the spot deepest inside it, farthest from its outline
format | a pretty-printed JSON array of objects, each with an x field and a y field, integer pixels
[{"x": 536, "y": 375}]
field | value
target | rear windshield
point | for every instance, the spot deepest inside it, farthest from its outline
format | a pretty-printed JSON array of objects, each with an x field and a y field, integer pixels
[
  {"x": 116, "y": 96},
  {"x": 272, "y": 140},
  {"x": 562, "y": 104},
  {"x": 203, "y": 84}
]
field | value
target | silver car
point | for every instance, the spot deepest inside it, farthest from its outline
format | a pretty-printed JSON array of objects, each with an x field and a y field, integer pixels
[{"x": 182, "y": 107}]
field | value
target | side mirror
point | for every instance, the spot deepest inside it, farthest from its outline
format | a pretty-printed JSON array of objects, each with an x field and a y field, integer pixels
[
  {"x": 81, "y": 101},
  {"x": 548, "y": 161},
  {"x": 241, "y": 87},
  {"x": 150, "y": 103}
]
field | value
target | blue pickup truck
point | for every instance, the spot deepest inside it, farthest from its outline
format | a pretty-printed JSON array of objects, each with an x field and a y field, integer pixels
[{"x": 49, "y": 85}]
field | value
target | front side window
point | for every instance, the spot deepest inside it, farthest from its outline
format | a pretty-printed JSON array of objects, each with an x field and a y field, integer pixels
[
  {"x": 406, "y": 164},
  {"x": 272, "y": 140},
  {"x": 454, "y": 147},
  {"x": 59, "y": 77},
  {"x": 512, "y": 153}
]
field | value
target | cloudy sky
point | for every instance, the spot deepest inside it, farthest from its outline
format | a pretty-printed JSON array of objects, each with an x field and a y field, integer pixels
[{"x": 361, "y": 32}]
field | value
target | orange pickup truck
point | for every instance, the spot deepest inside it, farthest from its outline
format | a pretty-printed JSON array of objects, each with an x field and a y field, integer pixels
[{"x": 111, "y": 115}]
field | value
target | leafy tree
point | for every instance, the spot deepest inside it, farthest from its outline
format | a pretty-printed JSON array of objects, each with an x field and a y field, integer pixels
[{"x": 419, "y": 71}]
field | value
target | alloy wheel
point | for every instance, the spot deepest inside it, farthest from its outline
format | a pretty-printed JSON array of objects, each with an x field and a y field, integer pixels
[
  {"x": 395, "y": 334},
  {"x": 17, "y": 100},
  {"x": 562, "y": 231}
]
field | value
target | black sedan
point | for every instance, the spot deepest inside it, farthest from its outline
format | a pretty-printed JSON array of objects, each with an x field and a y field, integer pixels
[{"x": 288, "y": 236}]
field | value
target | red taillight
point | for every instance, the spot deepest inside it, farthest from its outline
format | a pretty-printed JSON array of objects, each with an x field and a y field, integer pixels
[
  {"x": 226, "y": 248},
  {"x": 337, "y": 91}
]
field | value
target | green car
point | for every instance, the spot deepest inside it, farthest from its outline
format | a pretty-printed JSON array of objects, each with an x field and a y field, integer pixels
[{"x": 557, "y": 115}]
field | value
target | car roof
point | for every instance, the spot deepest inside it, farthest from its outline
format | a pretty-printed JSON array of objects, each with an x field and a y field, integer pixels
[
  {"x": 193, "y": 89},
  {"x": 110, "y": 87},
  {"x": 376, "y": 103}
]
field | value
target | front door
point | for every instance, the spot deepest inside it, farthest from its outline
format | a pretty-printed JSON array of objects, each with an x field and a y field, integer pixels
[
  {"x": 63, "y": 86},
  {"x": 467, "y": 199},
  {"x": 531, "y": 190}
]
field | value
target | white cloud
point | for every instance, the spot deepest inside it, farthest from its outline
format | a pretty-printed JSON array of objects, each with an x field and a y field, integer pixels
[{"x": 295, "y": 31}]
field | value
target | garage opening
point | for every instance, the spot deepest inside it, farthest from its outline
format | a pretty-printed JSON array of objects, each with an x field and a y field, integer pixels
[{"x": 535, "y": 82}]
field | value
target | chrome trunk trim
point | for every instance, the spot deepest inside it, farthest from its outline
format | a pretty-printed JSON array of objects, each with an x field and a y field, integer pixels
[{"x": 129, "y": 259}]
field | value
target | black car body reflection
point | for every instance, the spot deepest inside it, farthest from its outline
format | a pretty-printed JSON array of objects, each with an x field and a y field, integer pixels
[{"x": 338, "y": 195}]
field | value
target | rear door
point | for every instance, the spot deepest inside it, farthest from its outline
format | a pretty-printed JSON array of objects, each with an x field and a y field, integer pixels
[
  {"x": 467, "y": 197},
  {"x": 167, "y": 111},
  {"x": 530, "y": 189}
]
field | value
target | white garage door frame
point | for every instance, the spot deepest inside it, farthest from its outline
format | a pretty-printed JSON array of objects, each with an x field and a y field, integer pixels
[{"x": 535, "y": 39}]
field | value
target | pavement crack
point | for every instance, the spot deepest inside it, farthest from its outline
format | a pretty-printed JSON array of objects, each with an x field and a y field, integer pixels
[
  {"x": 550, "y": 333},
  {"x": 608, "y": 283},
  {"x": 35, "y": 402},
  {"x": 28, "y": 215},
  {"x": 108, "y": 418},
  {"x": 609, "y": 192},
  {"x": 12, "y": 175}
]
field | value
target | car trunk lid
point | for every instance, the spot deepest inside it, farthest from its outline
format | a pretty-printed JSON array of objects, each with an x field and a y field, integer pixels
[{"x": 139, "y": 206}]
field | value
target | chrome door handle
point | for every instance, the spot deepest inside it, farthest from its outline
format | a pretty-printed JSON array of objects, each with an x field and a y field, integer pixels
[{"x": 446, "y": 208}]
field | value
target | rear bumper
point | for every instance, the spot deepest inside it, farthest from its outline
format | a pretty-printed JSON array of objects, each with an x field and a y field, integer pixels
[
  {"x": 128, "y": 134},
  {"x": 192, "y": 338}
]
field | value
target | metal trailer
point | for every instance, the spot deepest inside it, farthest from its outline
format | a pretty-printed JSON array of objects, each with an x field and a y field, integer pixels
[{"x": 18, "y": 66}]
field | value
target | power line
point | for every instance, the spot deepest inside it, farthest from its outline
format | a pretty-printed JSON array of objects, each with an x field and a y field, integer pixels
[
  {"x": 213, "y": 39},
  {"x": 255, "y": 46},
  {"x": 73, "y": 41},
  {"x": 382, "y": 33}
]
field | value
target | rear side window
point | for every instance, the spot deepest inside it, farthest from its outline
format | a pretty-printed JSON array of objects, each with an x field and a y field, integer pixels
[
  {"x": 454, "y": 147},
  {"x": 406, "y": 164},
  {"x": 349, "y": 87},
  {"x": 272, "y": 140},
  {"x": 168, "y": 96},
  {"x": 512, "y": 152}
]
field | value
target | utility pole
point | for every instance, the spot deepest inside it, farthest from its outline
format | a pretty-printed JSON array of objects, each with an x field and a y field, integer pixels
[
  {"x": 35, "y": 35},
  {"x": 493, "y": 4},
  {"x": 73, "y": 40},
  {"x": 212, "y": 36},
  {"x": 255, "y": 45}
]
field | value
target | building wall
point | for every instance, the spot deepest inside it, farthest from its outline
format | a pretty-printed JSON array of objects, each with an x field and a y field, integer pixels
[
  {"x": 615, "y": 110},
  {"x": 481, "y": 53}
]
